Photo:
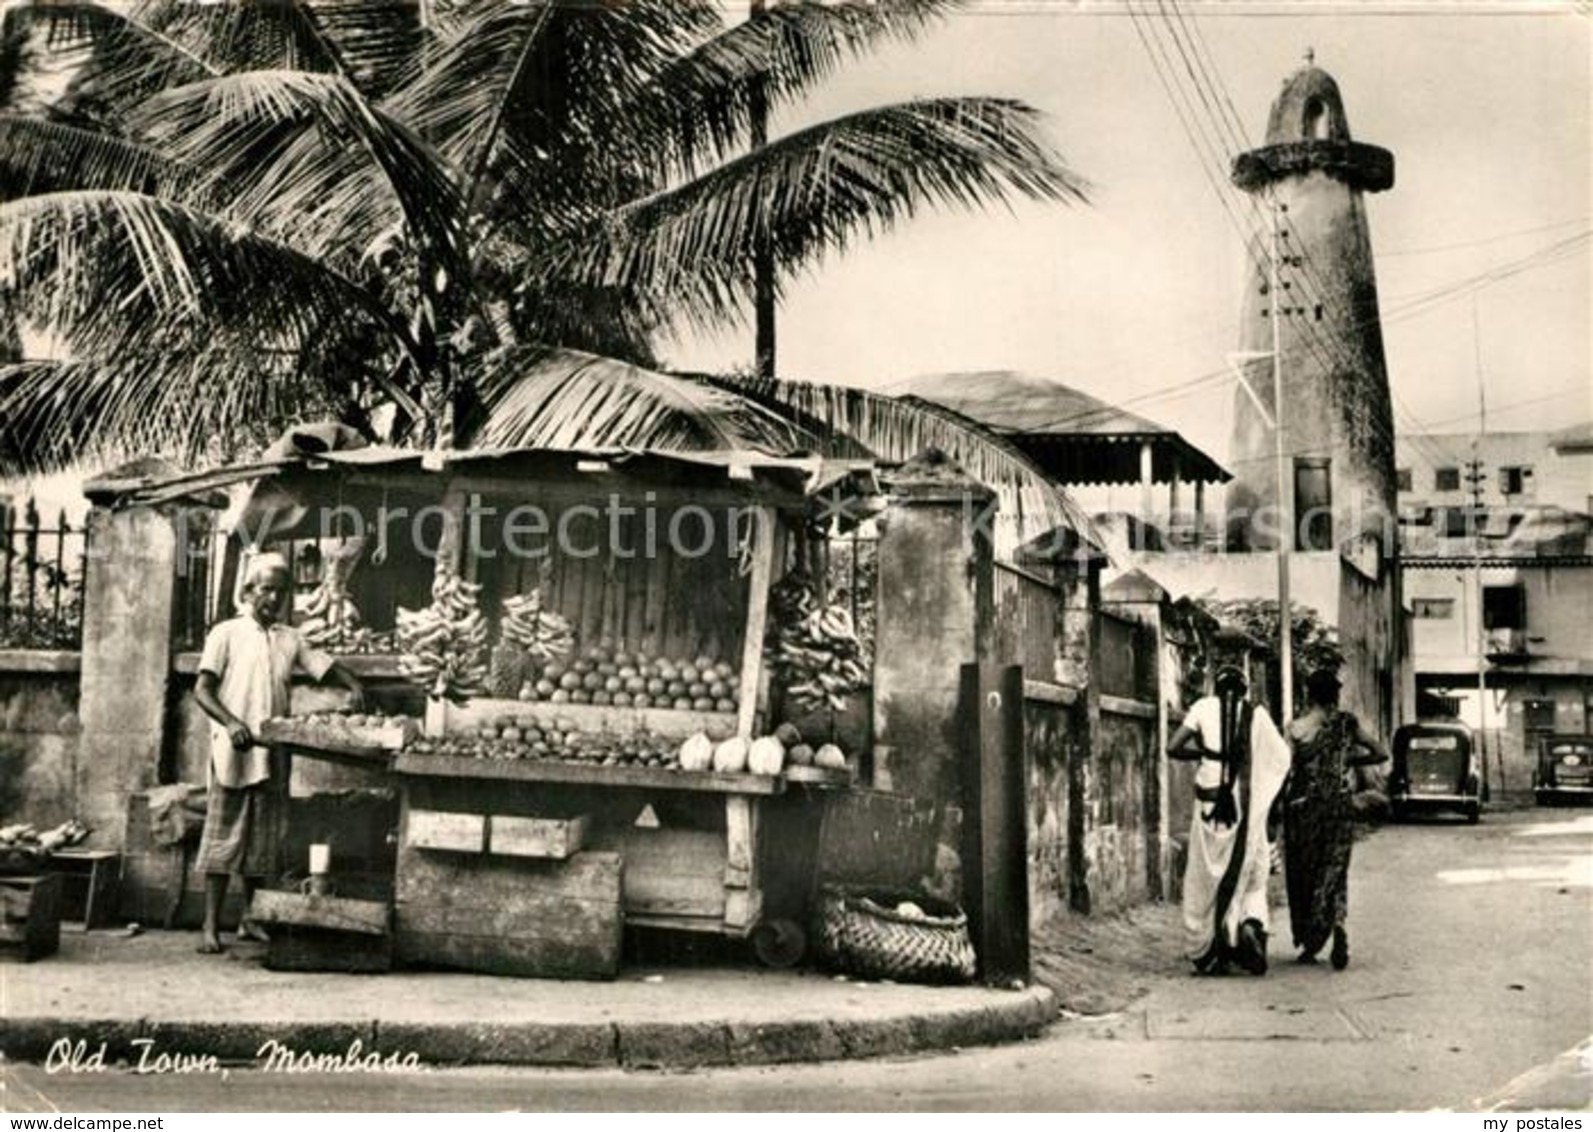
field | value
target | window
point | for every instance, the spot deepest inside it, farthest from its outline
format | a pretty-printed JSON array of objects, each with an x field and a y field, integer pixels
[
  {"x": 1537, "y": 718},
  {"x": 1446, "y": 479},
  {"x": 1432, "y": 608},
  {"x": 1513, "y": 481},
  {"x": 1504, "y": 607},
  {"x": 1317, "y": 120},
  {"x": 1461, "y": 522},
  {"x": 1313, "y": 503},
  {"x": 1402, "y": 479}
]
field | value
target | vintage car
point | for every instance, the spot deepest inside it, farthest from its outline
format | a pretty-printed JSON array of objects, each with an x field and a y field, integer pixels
[
  {"x": 1565, "y": 768},
  {"x": 1435, "y": 767}
]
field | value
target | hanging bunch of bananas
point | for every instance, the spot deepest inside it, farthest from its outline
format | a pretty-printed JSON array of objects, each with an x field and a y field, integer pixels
[
  {"x": 444, "y": 646},
  {"x": 542, "y": 634},
  {"x": 814, "y": 649},
  {"x": 330, "y": 619}
]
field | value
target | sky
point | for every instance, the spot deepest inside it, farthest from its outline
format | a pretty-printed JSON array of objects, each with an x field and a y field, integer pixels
[
  {"x": 1486, "y": 108},
  {"x": 1487, "y": 112}
]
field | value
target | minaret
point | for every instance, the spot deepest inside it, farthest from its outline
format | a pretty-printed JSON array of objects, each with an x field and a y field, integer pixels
[{"x": 1338, "y": 429}]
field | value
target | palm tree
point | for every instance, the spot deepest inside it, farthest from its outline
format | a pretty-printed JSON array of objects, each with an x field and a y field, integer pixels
[{"x": 438, "y": 221}]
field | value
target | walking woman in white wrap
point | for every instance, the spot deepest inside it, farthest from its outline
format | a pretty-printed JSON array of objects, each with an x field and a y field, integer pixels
[{"x": 1243, "y": 762}]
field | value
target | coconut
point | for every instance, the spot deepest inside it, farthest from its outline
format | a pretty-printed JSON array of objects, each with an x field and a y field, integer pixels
[{"x": 730, "y": 757}]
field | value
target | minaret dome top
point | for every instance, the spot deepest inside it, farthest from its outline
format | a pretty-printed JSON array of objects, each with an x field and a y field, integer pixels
[{"x": 1308, "y": 108}]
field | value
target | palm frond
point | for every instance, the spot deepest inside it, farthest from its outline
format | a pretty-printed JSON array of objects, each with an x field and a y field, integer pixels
[
  {"x": 688, "y": 252},
  {"x": 538, "y": 87},
  {"x": 111, "y": 58},
  {"x": 699, "y": 107},
  {"x": 115, "y": 273},
  {"x": 56, "y": 414},
  {"x": 557, "y": 398},
  {"x": 897, "y": 429},
  {"x": 287, "y": 141},
  {"x": 41, "y": 156},
  {"x": 259, "y": 35},
  {"x": 16, "y": 63},
  {"x": 381, "y": 42}
]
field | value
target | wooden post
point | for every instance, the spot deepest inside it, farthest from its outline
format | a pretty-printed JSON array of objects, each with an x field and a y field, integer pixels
[
  {"x": 1082, "y": 755},
  {"x": 451, "y": 543},
  {"x": 763, "y": 535},
  {"x": 1200, "y": 514},
  {"x": 1147, "y": 497},
  {"x": 995, "y": 839},
  {"x": 30, "y": 562},
  {"x": 1175, "y": 499},
  {"x": 8, "y": 551},
  {"x": 58, "y": 578},
  {"x": 743, "y": 892}
]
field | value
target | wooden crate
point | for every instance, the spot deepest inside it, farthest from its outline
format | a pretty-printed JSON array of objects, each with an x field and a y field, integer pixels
[
  {"x": 30, "y": 917},
  {"x": 555, "y": 838},
  {"x": 673, "y": 877},
  {"x": 450, "y": 718},
  {"x": 325, "y": 933},
  {"x": 435, "y": 829},
  {"x": 389, "y": 735},
  {"x": 511, "y": 915}
]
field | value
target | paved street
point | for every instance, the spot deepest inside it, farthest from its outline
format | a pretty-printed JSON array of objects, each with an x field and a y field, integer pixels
[{"x": 1470, "y": 977}]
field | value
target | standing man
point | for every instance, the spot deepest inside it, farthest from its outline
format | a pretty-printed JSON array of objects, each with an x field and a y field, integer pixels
[
  {"x": 244, "y": 676},
  {"x": 1243, "y": 762}
]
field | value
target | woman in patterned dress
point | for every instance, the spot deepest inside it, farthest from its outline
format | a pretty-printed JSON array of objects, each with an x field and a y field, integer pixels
[{"x": 1327, "y": 745}]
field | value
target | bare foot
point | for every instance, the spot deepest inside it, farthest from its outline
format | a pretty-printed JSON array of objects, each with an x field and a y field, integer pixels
[
  {"x": 248, "y": 929},
  {"x": 210, "y": 945}
]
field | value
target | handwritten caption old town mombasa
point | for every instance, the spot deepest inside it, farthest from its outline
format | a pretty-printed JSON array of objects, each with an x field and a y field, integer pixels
[{"x": 146, "y": 1056}]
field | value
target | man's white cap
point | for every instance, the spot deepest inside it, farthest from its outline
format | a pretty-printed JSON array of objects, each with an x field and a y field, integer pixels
[{"x": 261, "y": 565}]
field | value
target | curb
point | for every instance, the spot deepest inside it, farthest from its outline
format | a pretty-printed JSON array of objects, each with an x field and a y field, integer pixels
[{"x": 354, "y": 1046}]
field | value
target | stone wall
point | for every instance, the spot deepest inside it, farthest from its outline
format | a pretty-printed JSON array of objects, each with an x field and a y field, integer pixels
[
  {"x": 1051, "y": 738},
  {"x": 1119, "y": 829},
  {"x": 38, "y": 737}
]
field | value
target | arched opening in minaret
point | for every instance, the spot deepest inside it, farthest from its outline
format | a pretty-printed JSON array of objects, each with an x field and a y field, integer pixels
[{"x": 1317, "y": 120}]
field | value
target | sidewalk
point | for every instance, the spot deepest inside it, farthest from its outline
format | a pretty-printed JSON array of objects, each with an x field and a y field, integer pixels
[{"x": 107, "y": 987}]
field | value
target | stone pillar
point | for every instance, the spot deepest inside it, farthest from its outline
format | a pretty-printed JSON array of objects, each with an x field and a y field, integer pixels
[
  {"x": 933, "y": 616},
  {"x": 128, "y": 602}
]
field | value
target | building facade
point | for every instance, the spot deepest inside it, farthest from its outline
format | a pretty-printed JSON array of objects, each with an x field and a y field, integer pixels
[{"x": 1498, "y": 575}]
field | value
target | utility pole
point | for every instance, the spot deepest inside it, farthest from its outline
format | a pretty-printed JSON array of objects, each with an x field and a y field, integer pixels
[
  {"x": 1285, "y": 493},
  {"x": 1475, "y": 477},
  {"x": 1273, "y": 417}
]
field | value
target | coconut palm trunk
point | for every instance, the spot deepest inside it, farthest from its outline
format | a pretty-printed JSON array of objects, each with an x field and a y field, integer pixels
[{"x": 763, "y": 299}]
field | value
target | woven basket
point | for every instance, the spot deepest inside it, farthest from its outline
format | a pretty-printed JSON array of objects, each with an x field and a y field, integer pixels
[{"x": 860, "y": 933}]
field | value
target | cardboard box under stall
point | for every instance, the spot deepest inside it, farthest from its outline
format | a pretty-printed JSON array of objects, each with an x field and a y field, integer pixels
[{"x": 30, "y": 917}]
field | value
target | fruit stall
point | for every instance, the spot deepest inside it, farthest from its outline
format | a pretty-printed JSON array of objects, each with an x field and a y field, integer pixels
[{"x": 600, "y": 745}]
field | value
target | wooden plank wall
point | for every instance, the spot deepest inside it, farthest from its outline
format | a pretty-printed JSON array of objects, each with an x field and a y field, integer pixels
[
  {"x": 503, "y": 916},
  {"x": 666, "y": 604}
]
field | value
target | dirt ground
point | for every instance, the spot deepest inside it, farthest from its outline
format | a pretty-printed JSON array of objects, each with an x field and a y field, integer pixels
[{"x": 1101, "y": 964}]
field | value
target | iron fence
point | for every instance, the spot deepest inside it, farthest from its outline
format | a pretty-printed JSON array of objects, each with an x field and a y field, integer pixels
[
  {"x": 41, "y": 580},
  {"x": 851, "y": 577}
]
